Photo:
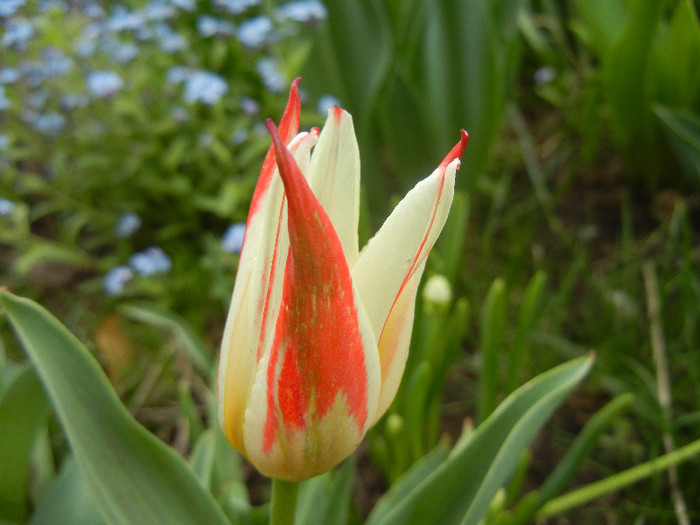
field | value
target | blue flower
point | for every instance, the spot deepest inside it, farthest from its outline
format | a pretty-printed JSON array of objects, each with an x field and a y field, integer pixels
[
  {"x": 302, "y": 11},
  {"x": 37, "y": 100},
  {"x": 326, "y": 102},
  {"x": 9, "y": 75},
  {"x": 104, "y": 83},
  {"x": 255, "y": 31},
  {"x": 127, "y": 224},
  {"x": 6, "y": 205},
  {"x": 123, "y": 20},
  {"x": 50, "y": 123},
  {"x": 74, "y": 100},
  {"x": 4, "y": 144},
  {"x": 59, "y": 5},
  {"x": 236, "y": 7},
  {"x": 232, "y": 240},
  {"x": 17, "y": 32},
  {"x": 94, "y": 10},
  {"x": 151, "y": 261},
  {"x": 168, "y": 40},
  {"x": 250, "y": 106},
  {"x": 544, "y": 75},
  {"x": 211, "y": 26},
  {"x": 239, "y": 136},
  {"x": 121, "y": 52},
  {"x": 158, "y": 10},
  {"x": 116, "y": 279},
  {"x": 185, "y": 5},
  {"x": 10, "y": 7},
  {"x": 269, "y": 71},
  {"x": 5, "y": 102},
  {"x": 177, "y": 74},
  {"x": 56, "y": 62},
  {"x": 205, "y": 87}
]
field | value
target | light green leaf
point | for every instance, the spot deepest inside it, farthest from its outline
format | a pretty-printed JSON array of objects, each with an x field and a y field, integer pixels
[
  {"x": 461, "y": 488},
  {"x": 326, "y": 498},
  {"x": 682, "y": 128},
  {"x": 217, "y": 464},
  {"x": 132, "y": 476},
  {"x": 24, "y": 409},
  {"x": 67, "y": 501}
]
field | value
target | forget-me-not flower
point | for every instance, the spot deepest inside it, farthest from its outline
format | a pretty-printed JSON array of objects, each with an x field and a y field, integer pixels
[
  {"x": 169, "y": 41},
  {"x": 9, "y": 75},
  {"x": 17, "y": 33},
  {"x": 255, "y": 31},
  {"x": 6, "y": 206},
  {"x": 10, "y": 7},
  {"x": 269, "y": 71},
  {"x": 103, "y": 83},
  {"x": 116, "y": 279},
  {"x": 127, "y": 224},
  {"x": 236, "y": 7},
  {"x": 151, "y": 261},
  {"x": 204, "y": 87},
  {"x": 326, "y": 102},
  {"x": 55, "y": 62},
  {"x": 49, "y": 123},
  {"x": 232, "y": 240},
  {"x": 302, "y": 11},
  {"x": 208, "y": 25}
]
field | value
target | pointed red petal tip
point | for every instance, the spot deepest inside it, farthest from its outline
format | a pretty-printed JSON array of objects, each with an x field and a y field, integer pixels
[
  {"x": 458, "y": 150},
  {"x": 285, "y": 161}
]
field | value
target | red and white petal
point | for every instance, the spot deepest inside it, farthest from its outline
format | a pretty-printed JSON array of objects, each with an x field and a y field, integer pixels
[
  {"x": 238, "y": 361},
  {"x": 334, "y": 177},
  {"x": 321, "y": 374},
  {"x": 389, "y": 267}
]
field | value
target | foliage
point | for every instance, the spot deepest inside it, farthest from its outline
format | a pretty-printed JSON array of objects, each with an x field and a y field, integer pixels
[{"x": 130, "y": 143}]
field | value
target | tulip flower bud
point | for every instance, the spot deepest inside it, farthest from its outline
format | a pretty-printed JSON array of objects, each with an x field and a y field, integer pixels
[
  {"x": 437, "y": 293},
  {"x": 318, "y": 331}
]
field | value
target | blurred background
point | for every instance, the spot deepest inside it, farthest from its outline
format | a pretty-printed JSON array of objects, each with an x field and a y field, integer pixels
[{"x": 132, "y": 134}]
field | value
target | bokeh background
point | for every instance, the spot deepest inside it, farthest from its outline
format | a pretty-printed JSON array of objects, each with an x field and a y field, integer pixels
[{"x": 132, "y": 133}]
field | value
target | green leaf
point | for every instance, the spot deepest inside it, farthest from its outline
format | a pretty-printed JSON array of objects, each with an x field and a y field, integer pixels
[
  {"x": 24, "y": 409},
  {"x": 461, "y": 488},
  {"x": 217, "y": 464},
  {"x": 683, "y": 131},
  {"x": 326, "y": 498},
  {"x": 67, "y": 501},
  {"x": 569, "y": 465},
  {"x": 407, "y": 484},
  {"x": 628, "y": 88},
  {"x": 493, "y": 323},
  {"x": 132, "y": 476}
]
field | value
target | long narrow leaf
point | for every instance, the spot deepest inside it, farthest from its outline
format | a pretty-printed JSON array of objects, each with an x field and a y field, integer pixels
[
  {"x": 461, "y": 489},
  {"x": 23, "y": 410},
  {"x": 132, "y": 476}
]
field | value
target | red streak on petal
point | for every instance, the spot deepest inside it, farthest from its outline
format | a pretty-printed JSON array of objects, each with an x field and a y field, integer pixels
[
  {"x": 268, "y": 283},
  {"x": 317, "y": 336},
  {"x": 289, "y": 127},
  {"x": 456, "y": 152}
]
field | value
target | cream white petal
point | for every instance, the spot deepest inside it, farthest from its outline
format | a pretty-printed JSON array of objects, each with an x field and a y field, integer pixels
[
  {"x": 334, "y": 177},
  {"x": 403, "y": 242}
]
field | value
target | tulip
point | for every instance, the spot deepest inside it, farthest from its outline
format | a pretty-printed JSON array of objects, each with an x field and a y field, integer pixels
[{"x": 317, "y": 335}]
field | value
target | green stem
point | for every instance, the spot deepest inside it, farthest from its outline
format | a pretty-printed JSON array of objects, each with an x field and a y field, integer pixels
[
  {"x": 615, "y": 482},
  {"x": 284, "y": 502}
]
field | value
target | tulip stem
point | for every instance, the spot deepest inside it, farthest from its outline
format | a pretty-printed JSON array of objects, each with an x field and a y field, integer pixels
[{"x": 284, "y": 502}]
